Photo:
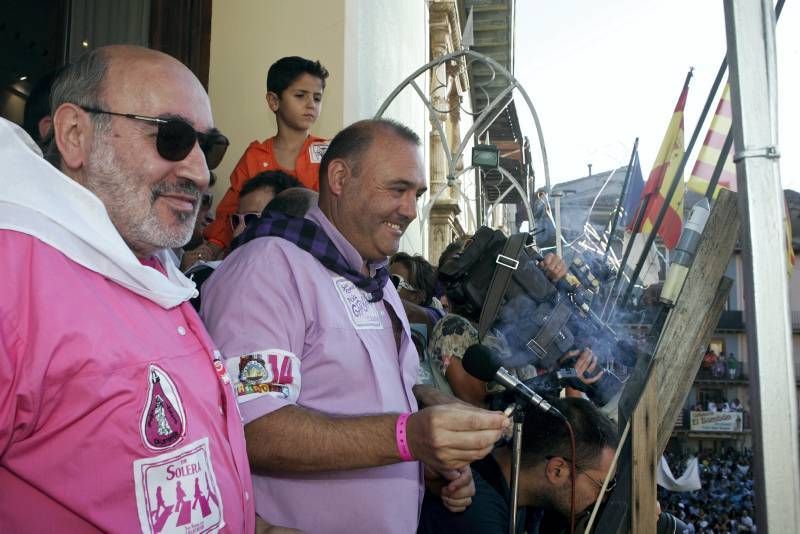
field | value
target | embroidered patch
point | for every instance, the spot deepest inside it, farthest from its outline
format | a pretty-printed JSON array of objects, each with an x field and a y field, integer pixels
[
  {"x": 363, "y": 314},
  {"x": 163, "y": 423},
  {"x": 178, "y": 492},
  {"x": 316, "y": 151},
  {"x": 270, "y": 372}
]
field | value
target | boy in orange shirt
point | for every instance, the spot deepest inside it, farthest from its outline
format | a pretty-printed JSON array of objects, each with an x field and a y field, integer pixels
[{"x": 294, "y": 93}]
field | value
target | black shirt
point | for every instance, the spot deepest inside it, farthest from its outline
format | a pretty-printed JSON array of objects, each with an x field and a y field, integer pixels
[{"x": 489, "y": 512}]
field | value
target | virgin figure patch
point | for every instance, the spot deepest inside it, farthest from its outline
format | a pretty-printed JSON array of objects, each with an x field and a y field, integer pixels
[{"x": 163, "y": 423}]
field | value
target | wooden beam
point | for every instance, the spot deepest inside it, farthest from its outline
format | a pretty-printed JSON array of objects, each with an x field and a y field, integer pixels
[
  {"x": 695, "y": 316},
  {"x": 644, "y": 425},
  {"x": 678, "y": 356}
]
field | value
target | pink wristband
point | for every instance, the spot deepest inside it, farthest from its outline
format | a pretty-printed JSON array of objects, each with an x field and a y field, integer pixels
[{"x": 402, "y": 437}]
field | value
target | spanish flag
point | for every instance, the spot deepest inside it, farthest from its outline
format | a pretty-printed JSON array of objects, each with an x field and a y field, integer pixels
[
  {"x": 710, "y": 151},
  {"x": 661, "y": 177}
]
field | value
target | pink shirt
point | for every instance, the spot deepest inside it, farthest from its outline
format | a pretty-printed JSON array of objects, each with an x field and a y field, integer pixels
[
  {"x": 113, "y": 416},
  {"x": 293, "y": 332}
]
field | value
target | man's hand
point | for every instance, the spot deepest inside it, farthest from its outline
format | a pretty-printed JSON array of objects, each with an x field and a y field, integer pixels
[
  {"x": 430, "y": 396},
  {"x": 205, "y": 252},
  {"x": 456, "y": 488},
  {"x": 587, "y": 363},
  {"x": 554, "y": 267},
  {"x": 450, "y": 436}
]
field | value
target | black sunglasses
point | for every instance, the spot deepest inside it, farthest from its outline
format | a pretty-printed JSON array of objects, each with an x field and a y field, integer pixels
[
  {"x": 176, "y": 138},
  {"x": 206, "y": 200}
]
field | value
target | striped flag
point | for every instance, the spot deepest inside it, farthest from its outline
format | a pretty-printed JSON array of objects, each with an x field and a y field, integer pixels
[
  {"x": 709, "y": 155},
  {"x": 710, "y": 151},
  {"x": 661, "y": 177}
]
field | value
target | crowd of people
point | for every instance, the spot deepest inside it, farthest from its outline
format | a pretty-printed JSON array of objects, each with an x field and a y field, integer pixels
[
  {"x": 168, "y": 369},
  {"x": 724, "y": 504},
  {"x": 720, "y": 365},
  {"x": 719, "y": 405}
]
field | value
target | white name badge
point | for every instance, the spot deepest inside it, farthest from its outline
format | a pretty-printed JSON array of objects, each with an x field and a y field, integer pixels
[
  {"x": 363, "y": 314},
  {"x": 316, "y": 151}
]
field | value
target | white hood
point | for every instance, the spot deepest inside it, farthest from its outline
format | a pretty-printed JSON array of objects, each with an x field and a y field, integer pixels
[{"x": 38, "y": 200}]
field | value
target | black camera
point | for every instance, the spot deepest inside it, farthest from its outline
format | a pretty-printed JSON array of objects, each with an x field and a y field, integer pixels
[{"x": 540, "y": 320}]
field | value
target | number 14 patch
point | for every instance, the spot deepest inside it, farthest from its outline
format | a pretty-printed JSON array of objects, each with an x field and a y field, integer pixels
[{"x": 272, "y": 372}]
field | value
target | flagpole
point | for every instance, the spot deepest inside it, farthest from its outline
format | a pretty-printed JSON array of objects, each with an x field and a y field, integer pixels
[
  {"x": 637, "y": 226},
  {"x": 615, "y": 217},
  {"x": 673, "y": 186},
  {"x": 723, "y": 158}
]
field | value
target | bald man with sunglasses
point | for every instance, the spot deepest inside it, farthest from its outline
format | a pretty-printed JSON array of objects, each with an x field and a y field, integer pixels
[{"x": 116, "y": 413}]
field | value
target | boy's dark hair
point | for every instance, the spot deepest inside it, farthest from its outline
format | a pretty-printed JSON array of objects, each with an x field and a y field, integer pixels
[
  {"x": 547, "y": 436},
  {"x": 294, "y": 202},
  {"x": 277, "y": 180},
  {"x": 352, "y": 142},
  {"x": 283, "y": 72},
  {"x": 422, "y": 275}
]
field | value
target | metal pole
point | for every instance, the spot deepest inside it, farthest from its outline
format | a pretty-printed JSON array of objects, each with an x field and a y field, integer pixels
[
  {"x": 750, "y": 32},
  {"x": 516, "y": 454},
  {"x": 615, "y": 216},
  {"x": 557, "y": 197},
  {"x": 637, "y": 226}
]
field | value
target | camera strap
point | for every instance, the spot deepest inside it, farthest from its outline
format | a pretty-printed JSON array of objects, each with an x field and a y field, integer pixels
[
  {"x": 506, "y": 263},
  {"x": 550, "y": 331}
]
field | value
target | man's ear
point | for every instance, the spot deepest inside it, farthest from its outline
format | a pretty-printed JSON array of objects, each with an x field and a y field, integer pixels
[
  {"x": 557, "y": 470},
  {"x": 339, "y": 173},
  {"x": 73, "y": 131},
  {"x": 273, "y": 101}
]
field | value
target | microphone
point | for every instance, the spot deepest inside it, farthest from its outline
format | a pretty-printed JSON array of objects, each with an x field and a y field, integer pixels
[{"x": 480, "y": 362}]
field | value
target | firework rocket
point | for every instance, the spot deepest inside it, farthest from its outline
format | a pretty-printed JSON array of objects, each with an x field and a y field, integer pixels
[{"x": 683, "y": 256}]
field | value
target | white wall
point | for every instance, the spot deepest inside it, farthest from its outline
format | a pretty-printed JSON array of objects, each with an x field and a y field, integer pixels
[{"x": 384, "y": 42}]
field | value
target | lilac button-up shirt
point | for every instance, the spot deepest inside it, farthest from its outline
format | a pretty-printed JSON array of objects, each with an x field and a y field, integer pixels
[{"x": 293, "y": 332}]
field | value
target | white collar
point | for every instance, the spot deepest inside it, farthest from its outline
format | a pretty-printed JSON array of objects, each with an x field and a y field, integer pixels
[{"x": 38, "y": 200}]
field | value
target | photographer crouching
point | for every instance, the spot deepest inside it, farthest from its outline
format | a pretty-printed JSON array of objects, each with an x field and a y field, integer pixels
[{"x": 545, "y": 476}]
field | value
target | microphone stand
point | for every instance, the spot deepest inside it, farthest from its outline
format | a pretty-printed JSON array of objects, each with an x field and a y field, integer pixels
[{"x": 516, "y": 455}]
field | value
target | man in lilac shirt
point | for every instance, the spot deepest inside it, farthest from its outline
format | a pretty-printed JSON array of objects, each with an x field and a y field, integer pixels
[
  {"x": 117, "y": 414},
  {"x": 319, "y": 349}
]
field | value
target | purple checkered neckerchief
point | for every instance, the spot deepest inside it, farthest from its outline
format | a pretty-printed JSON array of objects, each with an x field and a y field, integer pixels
[{"x": 310, "y": 237}]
